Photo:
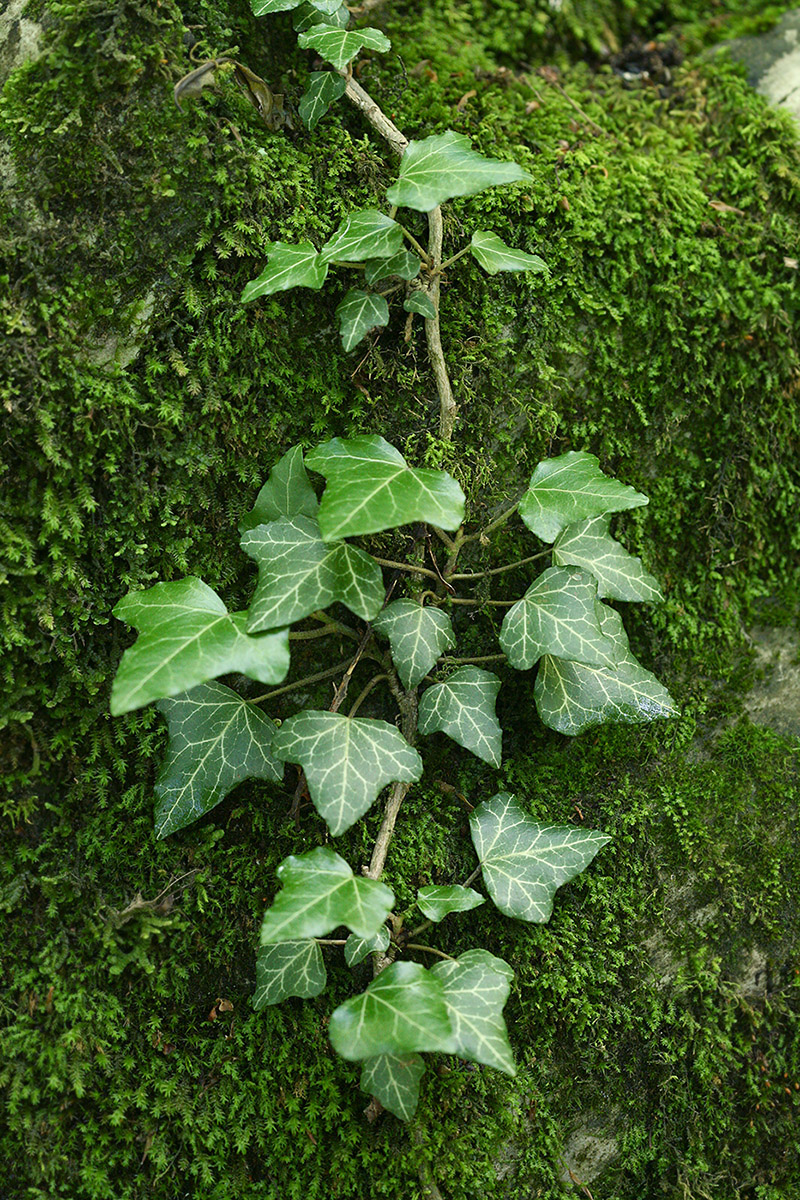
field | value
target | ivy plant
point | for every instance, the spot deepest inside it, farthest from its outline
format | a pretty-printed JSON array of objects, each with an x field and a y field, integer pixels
[{"x": 314, "y": 585}]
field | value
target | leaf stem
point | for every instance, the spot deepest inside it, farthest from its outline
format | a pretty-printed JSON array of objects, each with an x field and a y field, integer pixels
[
  {"x": 501, "y": 520},
  {"x": 421, "y": 928},
  {"x": 479, "y": 659},
  {"x": 291, "y": 687},
  {"x": 365, "y": 691},
  {"x": 330, "y": 941},
  {"x": 398, "y": 566},
  {"x": 429, "y": 950},
  {"x": 481, "y": 603},
  {"x": 500, "y": 570},
  {"x": 419, "y": 249},
  {"x": 472, "y": 877},
  {"x": 449, "y": 262}
]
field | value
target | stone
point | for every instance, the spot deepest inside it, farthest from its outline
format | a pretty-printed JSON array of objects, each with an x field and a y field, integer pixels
[
  {"x": 773, "y": 62},
  {"x": 775, "y": 700}
]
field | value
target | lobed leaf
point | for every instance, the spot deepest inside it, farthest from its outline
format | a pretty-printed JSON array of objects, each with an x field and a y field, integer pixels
[
  {"x": 494, "y": 255},
  {"x": 559, "y": 614},
  {"x": 306, "y": 16},
  {"x": 475, "y": 994},
  {"x": 216, "y": 739},
  {"x": 287, "y": 267},
  {"x": 443, "y": 166},
  {"x": 262, "y": 8},
  {"x": 417, "y": 636},
  {"x": 437, "y": 902},
  {"x": 463, "y": 708},
  {"x": 394, "y": 1080},
  {"x": 187, "y": 636},
  {"x": 319, "y": 894},
  {"x": 523, "y": 863},
  {"x": 287, "y": 493},
  {"x": 356, "y": 949},
  {"x": 402, "y": 1010},
  {"x": 323, "y": 89},
  {"x": 365, "y": 234},
  {"x": 372, "y": 488},
  {"x": 570, "y": 488},
  {"x": 288, "y": 969},
  {"x": 338, "y": 47},
  {"x": 403, "y": 264},
  {"x": 347, "y": 761},
  {"x": 620, "y": 575},
  {"x": 359, "y": 312},
  {"x": 299, "y": 573},
  {"x": 420, "y": 302}
]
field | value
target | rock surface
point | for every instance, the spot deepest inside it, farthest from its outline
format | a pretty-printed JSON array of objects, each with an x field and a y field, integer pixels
[{"x": 773, "y": 62}]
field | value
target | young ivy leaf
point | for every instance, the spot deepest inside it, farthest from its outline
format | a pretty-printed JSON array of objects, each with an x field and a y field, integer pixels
[
  {"x": 216, "y": 739},
  {"x": 356, "y": 949},
  {"x": 402, "y": 1010},
  {"x": 494, "y": 255},
  {"x": 187, "y": 636},
  {"x": 365, "y": 234},
  {"x": 404, "y": 264},
  {"x": 559, "y": 614},
  {"x": 287, "y": 493},
  {"x": 620, "y": 575},
  {"x": 463, "y": 708},
  {"x": 359, "y": 312},
  {"x": 299, "y": 573},
  {"x": 338, "y": 47},
  {"x": 287, "y": 267},
  {"x": 418, "y": 636},
  {"x": 475, "y": 994},
  {"x": 570, "y": 488},
  {"x": 394, "y": 1080},
  {"x": 319, "y": 894},
  {"x": 571, "y": 697},
  {"x": 307, "y": 16},
  {"x": 437, "y": 168},
  {"x": 288, "y": 969},
  {"x": 323, "y": 89},
  {"x": 420, "y": 302},
  {"x": 347, "y": 761},
  {"x": 524, "y": 863},
  {"x": 371, "y": 488},
  {"x": 263, "y": 8},
  {"x": 437, "y": 902}
]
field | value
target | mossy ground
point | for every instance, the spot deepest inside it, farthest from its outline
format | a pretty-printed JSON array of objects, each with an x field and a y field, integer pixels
[{"x": 665, "y": 341}]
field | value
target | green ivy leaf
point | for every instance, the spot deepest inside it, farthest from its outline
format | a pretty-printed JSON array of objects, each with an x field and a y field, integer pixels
[
  {"x": 571, "y": 697},
  {"x": 417, "y": 635},
  {"x": 475, "y": 994},
  {"x": 394, "y": 1080},
  {"x": 437, "y": 168},
  {"x": 404, "y": 264},
  {"x": 463, "y": 708},
  {"x": 420, "y": 302},
  {"x": 298, "y": 573},
  {"x": 570, "y": 488},
  {"x": 437, "y": 902},
  {"x": 216, "y": 739},
  {"x": 364, "y": 234},
  {"x": 287, "y": 493},
  {"x": 356, "y": 949},
  {"x": 288, "y": 969},
  {"x": 338, "y": 47},
  {"x": 358, "y": 313},
  {"x": 523, "y": 863},
  {"x": 559, "y": 614},
  {"x": 323, "y": 89},
  {"x": 306, "y": 17},
  {"x": 402, "y": 1010},
  {"x": 494, "y": 255},
  {"x": 328, "y": 7},
  {"x": 372, "y": 488},
  {"x": 287, "y": 267},
  {"x": 319, "y": 894},
  {"x": 186, "y": 636},
  {"x": 347, "y": 761},
  {"x": 620, "y": 576},
  {"x": 263, "y": 8}
]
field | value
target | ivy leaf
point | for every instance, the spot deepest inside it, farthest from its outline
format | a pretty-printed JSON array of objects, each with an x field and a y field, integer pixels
[
  {"x": 437, "y": 168},
  {"x": 298, "y": 573},
  {"x": 307, "y": 16},
  {"x": 394, "y": 1080},
  {"x": 328, "y": 7},
  {"x": 216, "y": 739},
  {"x": 570, "y": 488},
  {"x": 358, "y": 313},
  {"x": 402, "y": 1010},
  {"x": 463, "y": 708},
  {"x": 319, "y": 894},
  {"x": 287, "y": 493},
  {"x": 571, "y": 697},
  {"x": 559, "y": 614},
  {"x": 362, "y": 235},
  {"x": 186, "y": 636},
  {"x": 437, "y": 902},
  {"x": 347, "y": 761},
  {"x": 494, "y": 255},
  {"x": 417, "y": 635},
  {"x": 356, "y": 949},
  {"x": 338, "y": 47},
  {"x": 372, "y": 488},
  {"x": 287, "y": 267},
  {"x": 403, "y": 264},
  {"x": 420, "y": 302},
  {"x": 288, "y": 969},
  {"x": 620, "y": 575},
  {"x": 523, "y": 863},
  {"x": 263, "y": 8},
  {"x": 475, "y": 994},
  {"x": 323, "y": 89}
]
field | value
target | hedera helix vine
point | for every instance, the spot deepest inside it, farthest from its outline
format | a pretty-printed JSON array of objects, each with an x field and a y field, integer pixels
[{"x": 313, "y": 583}]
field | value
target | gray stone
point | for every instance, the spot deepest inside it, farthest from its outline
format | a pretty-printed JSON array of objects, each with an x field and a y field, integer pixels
[
  {"x": 590, "y": 1148},
  {"x": 775, "y": 700},
  {"x": 773, "y": 62},
  {"x": 20, "y": 39}
]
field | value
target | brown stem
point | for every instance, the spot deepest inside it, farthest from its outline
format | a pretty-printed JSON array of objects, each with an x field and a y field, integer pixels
[
  {"x": 373, "y": 113},
  {"x": 447, "y": 404},
  {"x": 429, "y": 950}
]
